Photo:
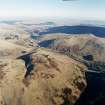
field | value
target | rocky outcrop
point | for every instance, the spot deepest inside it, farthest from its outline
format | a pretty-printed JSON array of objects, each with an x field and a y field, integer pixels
[{"x": 53, "y": 79}]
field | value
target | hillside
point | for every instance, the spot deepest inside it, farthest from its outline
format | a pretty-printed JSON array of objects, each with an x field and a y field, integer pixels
[
  {"x": 42, "y": 77},
  {"x": 76, "y": 45},
  {"x": 89, "y": 50},
  {"x": 10, "y": 50},
  {"x": 77, "y": 29}
]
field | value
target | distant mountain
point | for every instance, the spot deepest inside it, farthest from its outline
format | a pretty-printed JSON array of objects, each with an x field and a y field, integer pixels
[{"x": 79, "y": 29}]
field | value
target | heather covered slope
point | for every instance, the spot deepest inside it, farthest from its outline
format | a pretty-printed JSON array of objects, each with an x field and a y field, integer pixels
[{"x": 52, "y": 79}]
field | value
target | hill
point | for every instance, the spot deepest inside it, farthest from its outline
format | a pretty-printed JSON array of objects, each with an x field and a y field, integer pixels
[
  {"x": 78, "y": 45},
  {"x": 42, "y": 77},
  {"x": 79, "y": 29}
]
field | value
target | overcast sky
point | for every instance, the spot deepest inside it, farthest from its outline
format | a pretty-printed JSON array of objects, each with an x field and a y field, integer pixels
[{"x": 80, "y": 9}]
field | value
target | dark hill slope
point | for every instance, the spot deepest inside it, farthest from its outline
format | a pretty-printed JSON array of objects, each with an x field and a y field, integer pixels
[{"x": 97, "y": 31}]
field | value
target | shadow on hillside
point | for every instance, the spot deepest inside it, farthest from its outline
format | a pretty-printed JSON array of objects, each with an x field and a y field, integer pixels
[
  {"x": 28, "y": 63},
  {"x": 79, "y": 29},
  {"x": 95, "y": 91}
]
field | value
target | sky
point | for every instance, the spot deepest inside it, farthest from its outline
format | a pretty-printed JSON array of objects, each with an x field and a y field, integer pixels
[{"x": 79, "y": 9}]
